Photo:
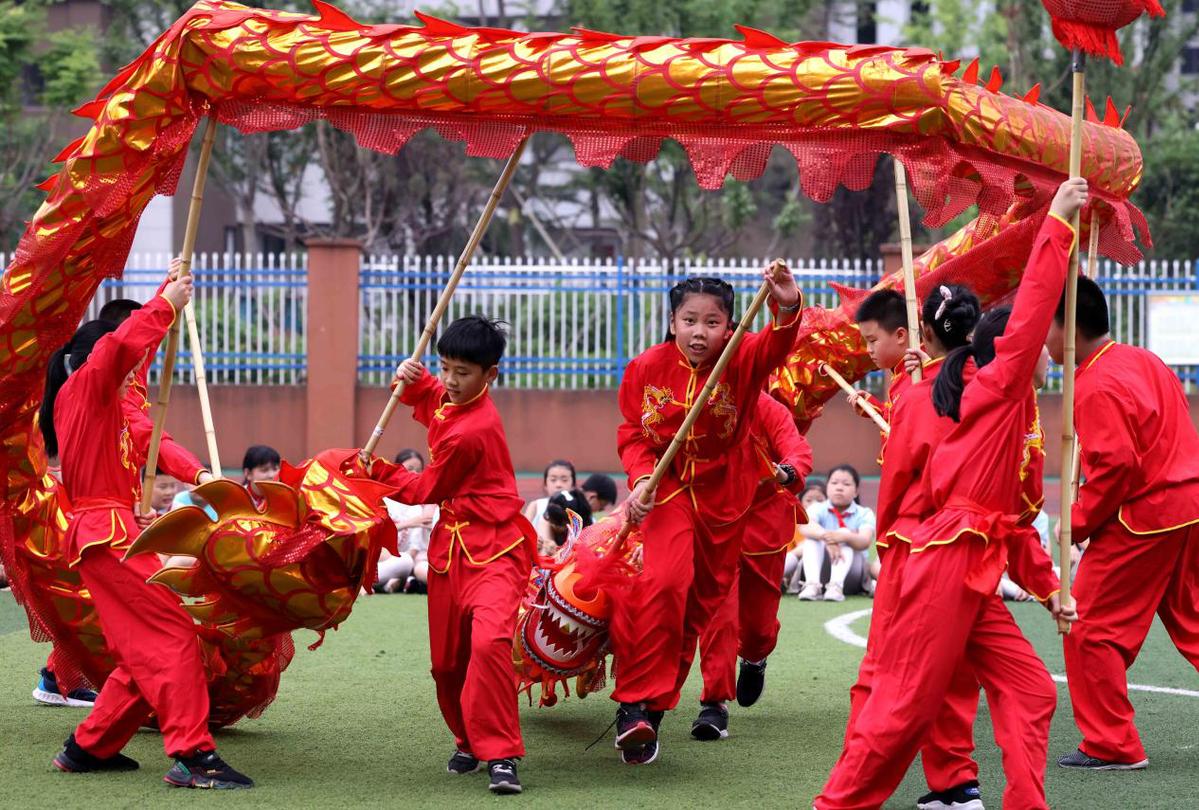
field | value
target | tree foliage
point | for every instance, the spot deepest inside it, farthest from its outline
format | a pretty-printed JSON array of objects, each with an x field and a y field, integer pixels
[{"x": 42, "y": 77}]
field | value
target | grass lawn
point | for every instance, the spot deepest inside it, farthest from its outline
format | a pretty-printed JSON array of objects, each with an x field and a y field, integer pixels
[{"x": 356, "y": 724}]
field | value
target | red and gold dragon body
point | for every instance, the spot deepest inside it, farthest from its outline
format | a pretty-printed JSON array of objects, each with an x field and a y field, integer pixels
[{"x": 836, "y": 108}]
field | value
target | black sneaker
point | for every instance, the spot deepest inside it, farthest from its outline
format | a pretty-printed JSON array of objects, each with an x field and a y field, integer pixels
[
  {"x": 462, "y": 763},
  {"x": 712, "y": 723},
  {"x": 47, "y": 693},
  {"x": 504, "y": 780},
  {"x": 633, "y": 727},
  {"x": 751, "y": 679},
  {"x": 206, "y": 770},
  {"x": 73, "y": 759},
  {"x": 1084, "y": 762},
  {"x": 966, "y": 796},
  {"x": 648, "y": 752}
]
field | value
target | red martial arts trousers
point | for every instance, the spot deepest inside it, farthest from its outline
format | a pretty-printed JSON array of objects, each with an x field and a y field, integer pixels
[
  {"x": 747, "y": 623},
  {"x": 948, "y": 751},
  {"x": 687, "y": 571},
  {"x": 1123, "y": 580},
  {"x": 472, "y": 620},
  {"x": 937, "y": 623},
  {"x": 159, "y": 668}
]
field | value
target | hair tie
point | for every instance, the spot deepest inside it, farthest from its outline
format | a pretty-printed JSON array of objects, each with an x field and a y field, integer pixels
[{"x": 946, "y": 297}]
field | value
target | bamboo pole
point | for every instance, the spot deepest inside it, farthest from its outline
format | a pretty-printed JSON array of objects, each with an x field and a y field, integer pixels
[
  {"x": 1068, "y": 353},
  {"x": 443, "y": 300},
  {"x": 193, "y": 335},
  {"x": 1091, "y": 271},
  {"x": 696, "y": 409},
  {"x": 168, "y": 363},
  {"x": 844, "y": 385},
  {"x": 909, "y": 269}
]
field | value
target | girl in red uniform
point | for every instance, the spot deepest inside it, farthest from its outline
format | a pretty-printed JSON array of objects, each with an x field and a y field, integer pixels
[
  {"x": 690, "y": 537},
  {"x": 101, "y": 433},
  {"x": 747, "y": 623},
  {"x": 948, "y": 317},
  {"x": 1140, "y": 509},
  {"x": 947, "y": 609}
]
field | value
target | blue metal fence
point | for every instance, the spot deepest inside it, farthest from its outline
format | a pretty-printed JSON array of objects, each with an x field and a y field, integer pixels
[{"x": 571, "y": 326}]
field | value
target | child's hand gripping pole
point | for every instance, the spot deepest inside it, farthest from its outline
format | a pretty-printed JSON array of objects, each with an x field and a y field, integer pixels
[
  {"x": 443, "y": 300},
  {"x": 844, "y": 385},
  {"x": 168, "y": 362},
  {"x": 697, "y": 407},
  {"x": 909, "y": 270},
  {"x": 1068, "y": 350}
]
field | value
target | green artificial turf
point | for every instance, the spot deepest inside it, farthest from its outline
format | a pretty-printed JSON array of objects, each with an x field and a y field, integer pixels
[{"x": 356, "y": 724}]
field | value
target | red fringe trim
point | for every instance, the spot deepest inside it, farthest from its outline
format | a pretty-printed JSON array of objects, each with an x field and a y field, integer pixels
[{"x": 1092, "y": 39}]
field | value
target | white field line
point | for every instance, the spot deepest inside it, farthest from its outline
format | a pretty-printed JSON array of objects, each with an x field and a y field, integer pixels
[{"x": 840, "y": 628}]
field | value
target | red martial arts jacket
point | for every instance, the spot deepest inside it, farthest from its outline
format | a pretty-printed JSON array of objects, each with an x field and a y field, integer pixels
[
  {"x": 905, "y": 497},
  {"x": 1140, "y": 451},
  {"x": 776, "y": 440},
  {"x": 469, "y": 474},
  {"x": 978, "y": 474},
  {"x": 716, "y": 467},
  {"x": 103, "y": 437},
  {"x": 900, "y": 382},
  {"x": 916, "y": 430}
]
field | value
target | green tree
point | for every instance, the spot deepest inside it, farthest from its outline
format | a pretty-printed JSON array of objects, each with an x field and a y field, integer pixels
[
  {"x": 659, "y": 204},
  {"x": 42, "y": 77},
  {"x": 1169, "y": 192}
]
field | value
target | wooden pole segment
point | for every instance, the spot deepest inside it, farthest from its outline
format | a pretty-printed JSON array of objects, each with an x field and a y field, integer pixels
[
  {"x": 1068, "y": 353},
  {"x": 193, "y": 335},
  {"x": 443, "y": 300},
  {"x": 844, "y": 385},
  {"x": 909, "y": 263},
  {"x": 168, "y": 362},
  {"x": 1091, "y": 271}
]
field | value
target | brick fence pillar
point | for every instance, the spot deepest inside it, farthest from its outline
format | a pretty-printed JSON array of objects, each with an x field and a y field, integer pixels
[{"x": 333, "y": 305}]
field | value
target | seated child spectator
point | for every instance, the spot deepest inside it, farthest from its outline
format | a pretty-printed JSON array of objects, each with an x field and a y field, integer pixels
[
  {"x": 165, "y": 490},
  {"x": 600, "y": 490},
  {"x": 552, "y": 539},
  {"x": 260, "y": 463},
  {"x": 187, "y": 497},
  {"x": 409, "y": 570},
  {"x": 559, "y": 476},
  {"x": 812, "y": 495},
  {"x": 839, "y": 530}
]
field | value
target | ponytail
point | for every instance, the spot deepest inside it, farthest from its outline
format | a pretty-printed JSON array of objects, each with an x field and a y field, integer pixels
[
  {"x": 950, "y": 382},
  {"x": 63, "y": 363}
]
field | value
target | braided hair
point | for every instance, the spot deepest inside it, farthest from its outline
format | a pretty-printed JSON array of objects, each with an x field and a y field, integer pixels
[{"x": 700, "y": 285}]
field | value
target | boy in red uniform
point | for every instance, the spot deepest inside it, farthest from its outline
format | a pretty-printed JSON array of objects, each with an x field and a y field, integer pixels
[
  {"x": 480, "y": 552},
  {"x": 747, "y": 623},
  {"x": 1140, "y": 509},
  {"x": 947, "y": 609},
  {"x": 690, "y": 548},
  {"x": 91, "y": 421},
  {"x": 883, "y": 321}
]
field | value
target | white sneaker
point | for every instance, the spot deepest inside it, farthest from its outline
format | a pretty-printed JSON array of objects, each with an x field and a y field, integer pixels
[
  {"x": 833, "y": 593},
  {"x": 810, "y": 592}
]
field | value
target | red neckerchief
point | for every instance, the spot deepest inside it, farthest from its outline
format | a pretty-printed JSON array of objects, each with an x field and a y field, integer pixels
[{"x": 839, "y": 515}]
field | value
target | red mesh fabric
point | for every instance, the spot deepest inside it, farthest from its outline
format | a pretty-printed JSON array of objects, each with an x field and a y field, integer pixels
[{"x": 1091, "y": 25}]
